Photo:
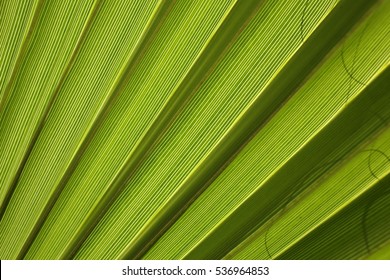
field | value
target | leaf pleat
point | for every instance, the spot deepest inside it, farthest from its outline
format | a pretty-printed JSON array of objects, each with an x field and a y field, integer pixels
[
  {"x": 173, "y": 129},
  {"x": 285, "y": 134}
]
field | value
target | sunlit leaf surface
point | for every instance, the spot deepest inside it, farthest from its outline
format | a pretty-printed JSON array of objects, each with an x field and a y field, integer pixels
[{"x": 235, "y": 129}]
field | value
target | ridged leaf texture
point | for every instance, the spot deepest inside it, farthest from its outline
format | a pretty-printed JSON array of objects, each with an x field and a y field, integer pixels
[{"x": 235, "y": 129}]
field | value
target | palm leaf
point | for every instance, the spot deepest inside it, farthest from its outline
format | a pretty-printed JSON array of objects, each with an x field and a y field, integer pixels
[{"x": 194, "y": 129}]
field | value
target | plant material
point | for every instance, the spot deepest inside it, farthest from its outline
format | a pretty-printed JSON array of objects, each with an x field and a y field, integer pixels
[{"x": 195, "y": 129}]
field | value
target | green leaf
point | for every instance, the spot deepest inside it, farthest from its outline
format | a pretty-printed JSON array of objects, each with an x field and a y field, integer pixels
[{"x": 194, "y": 129}]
